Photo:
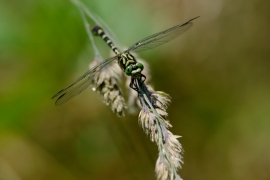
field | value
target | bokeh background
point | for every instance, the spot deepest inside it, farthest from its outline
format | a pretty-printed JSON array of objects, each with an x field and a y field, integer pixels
[{"x": 218, "y": 74}]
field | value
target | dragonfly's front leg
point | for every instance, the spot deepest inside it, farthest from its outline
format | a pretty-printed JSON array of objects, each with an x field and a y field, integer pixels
[
  {"x": 133, "y": 85},
  {"x": 142, "y": 78}
]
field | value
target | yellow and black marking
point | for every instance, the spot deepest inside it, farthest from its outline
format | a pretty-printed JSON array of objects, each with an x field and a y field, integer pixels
[
  {"x": 99, "y": 32},
  {"x": 124, "y": 59}
]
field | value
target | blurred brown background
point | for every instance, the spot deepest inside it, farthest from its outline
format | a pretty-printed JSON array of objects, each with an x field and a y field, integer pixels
[{"x": 218, "y": 74}]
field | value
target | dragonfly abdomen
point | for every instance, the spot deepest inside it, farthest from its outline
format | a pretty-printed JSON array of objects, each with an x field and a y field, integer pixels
[
  {"x": 99, "y": 32},
  {"x": 126, "y": 61}
]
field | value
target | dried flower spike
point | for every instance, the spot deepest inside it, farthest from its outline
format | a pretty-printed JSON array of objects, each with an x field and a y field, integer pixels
[
  {"x": 105, "y": 83},
  {"x": 153, "y": 120}
]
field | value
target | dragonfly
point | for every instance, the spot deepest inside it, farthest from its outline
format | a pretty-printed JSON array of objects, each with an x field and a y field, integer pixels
[{"x": 126, "y": 60}]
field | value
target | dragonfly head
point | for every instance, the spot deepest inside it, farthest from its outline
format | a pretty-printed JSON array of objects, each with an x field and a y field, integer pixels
[{"x": 134, "y": 70}]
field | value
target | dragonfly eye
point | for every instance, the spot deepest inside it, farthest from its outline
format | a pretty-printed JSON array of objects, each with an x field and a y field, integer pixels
[
  {"x": 140, "y": 65},
  {"x": 128, "y": 70}
]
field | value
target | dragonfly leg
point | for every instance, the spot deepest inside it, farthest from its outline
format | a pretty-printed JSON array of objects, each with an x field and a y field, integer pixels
[
  {"x": 133, "y": 85},
  {"x": 142, "y": 78}
]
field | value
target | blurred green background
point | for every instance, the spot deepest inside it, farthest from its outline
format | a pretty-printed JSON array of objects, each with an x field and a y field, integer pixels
[{"x": 218, "y": 74}]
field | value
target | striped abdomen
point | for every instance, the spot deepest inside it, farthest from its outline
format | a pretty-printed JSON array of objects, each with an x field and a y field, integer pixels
[
  {"x": 99, "y": 32},
  {"x": 124, "y": 59}
]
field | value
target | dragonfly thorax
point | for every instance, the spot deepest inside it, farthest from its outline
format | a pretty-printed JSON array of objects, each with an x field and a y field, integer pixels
[{"x": 129, "y": 65}]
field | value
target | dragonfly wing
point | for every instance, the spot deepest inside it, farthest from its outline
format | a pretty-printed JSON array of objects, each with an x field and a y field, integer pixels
[
  {"x": 161, "y": 37},
  {"x": 80, "y": 84}
]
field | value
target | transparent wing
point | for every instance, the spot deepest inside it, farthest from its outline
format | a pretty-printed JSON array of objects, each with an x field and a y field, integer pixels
[
  {"x": 161, "y": 37},
  {"x": 81, "y": 84}
]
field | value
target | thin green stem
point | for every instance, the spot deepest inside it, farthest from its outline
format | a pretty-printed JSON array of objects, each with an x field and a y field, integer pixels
[
  {"x": 99, "y": 21},
  {"x": 87, "y": 28}
]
